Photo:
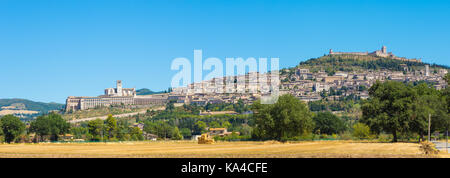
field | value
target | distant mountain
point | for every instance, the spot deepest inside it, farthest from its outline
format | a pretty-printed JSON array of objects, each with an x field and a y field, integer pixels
[
  {"x": 16, "y": 105},
  {"x": 146, "y": 91}
]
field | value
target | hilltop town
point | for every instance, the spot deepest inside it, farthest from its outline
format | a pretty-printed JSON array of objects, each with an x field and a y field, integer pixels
[{"x": 310, "y": 81}]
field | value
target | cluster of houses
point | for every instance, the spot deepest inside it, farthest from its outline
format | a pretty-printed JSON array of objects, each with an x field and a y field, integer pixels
[{"x": 307, "y": 86}]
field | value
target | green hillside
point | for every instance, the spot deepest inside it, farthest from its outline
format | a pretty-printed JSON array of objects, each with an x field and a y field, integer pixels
[
  {"x": 146, "y": 91},
  {"x": 32, "y": 105},
  {"x": 350, "y": 63}
]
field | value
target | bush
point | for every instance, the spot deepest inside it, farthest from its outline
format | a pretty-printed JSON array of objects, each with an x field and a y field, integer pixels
[
  {"x": 346, "y": 136},
  {"x": 361, "y": 131},
  {"x": 384, "y": 138},
  {"x": 309, "y": 136},
  {"x": 428, "y": 148}
]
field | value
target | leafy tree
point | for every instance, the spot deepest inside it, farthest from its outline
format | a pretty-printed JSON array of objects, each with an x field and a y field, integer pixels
[
  {"x": 428, "y": 103},
  {"x": 361, "y": 131},
  {"x": 111, "y": 127},
  {"x": 176, "y": 134},
  {"x": 12, "y": 127},
  {"x": 136, "y": 134},
  {"x": 170, "y": 106},
  {"x": 123, "y": 130},
  {"x": 186, "y": 132},
  {"x": 52, "y": 124},
  {"x": 160, "y": 128},
  {"x": 388, "y": 109},
  {"x": 214, "y": 124},
  {"x": 79, "y": 132},
  {"x": 1, "y": 130},
  {"x": 446, "y": 92},
  {"x": 240, "y": 106},
  {"x": 226, "y": 124},
  {"x": 328, "y": 123},
  {"x": 96, "y": 129},
  {"x": 287, "y": 118},
  {"x": 199, "y": 127}
]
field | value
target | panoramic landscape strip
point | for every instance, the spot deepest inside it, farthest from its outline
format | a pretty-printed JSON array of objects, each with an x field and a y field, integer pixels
[
  {"x": 339, "y": 105},
  {"x": 225, "y": 79}
]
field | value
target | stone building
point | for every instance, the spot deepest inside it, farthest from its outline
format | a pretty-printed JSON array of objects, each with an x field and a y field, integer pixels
[
  {"x": 378, "y": 53},
  {"x": 119, "y": 91},
  {"x": 114, "y": 97}
]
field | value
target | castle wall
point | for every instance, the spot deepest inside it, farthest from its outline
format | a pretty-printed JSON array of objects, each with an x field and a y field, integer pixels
[{"x": 378, "y": 53}]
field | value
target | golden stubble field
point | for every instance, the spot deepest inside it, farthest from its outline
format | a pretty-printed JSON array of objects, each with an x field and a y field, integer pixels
[{"x": 189, "y": 149}]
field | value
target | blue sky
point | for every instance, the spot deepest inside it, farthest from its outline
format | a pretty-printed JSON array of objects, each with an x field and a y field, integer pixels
[{"x": 53, "y": 49}]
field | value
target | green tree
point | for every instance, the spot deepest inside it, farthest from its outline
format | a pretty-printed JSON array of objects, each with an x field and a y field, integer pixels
[
  {"x": 52, "y": 124},
  {"x": 446, "y": 96},
  {"x": 123, "y": 130},
  {"x": 1, "y": 130},
  {"x": 96, "y": 129},
  {"x": 396, "y": 108},
  {"x": 136, "y": 134},
  {"x": 79, "y": 132},
  {"x": 214, "y": 124},
  {"x": 428, "y": 103},
  {"x": 226, "y": 124},
  {"x": 160, "y": 128},
  {"x": 111, "y": 127},
  {"x": 199, "y": 127},
  {"x": 176, "y": 134},
  {"x": 186, "y": 132},
  {"x": 328, "y": 123},
  {"x": 389, "y": 108},
  {"x": 287, "y": 118},
  {"x": 12, "y": 127},
  {"x": 240, "y": 106},
  {"x": 361, "y": 131},
  {"x": 170, "y": 106}
]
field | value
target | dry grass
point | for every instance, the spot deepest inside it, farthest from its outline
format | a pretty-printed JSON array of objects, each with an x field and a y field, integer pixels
[{"x": 188, "y": 149}]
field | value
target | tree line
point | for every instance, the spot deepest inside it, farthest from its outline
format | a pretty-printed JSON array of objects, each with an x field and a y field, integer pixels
[{"x": 393, "y": 108}]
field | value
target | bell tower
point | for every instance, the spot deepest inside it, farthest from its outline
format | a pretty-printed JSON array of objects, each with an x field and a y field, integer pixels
[
  {"x": 384, "y": 50},
  {"x": 119, "y": 87}
]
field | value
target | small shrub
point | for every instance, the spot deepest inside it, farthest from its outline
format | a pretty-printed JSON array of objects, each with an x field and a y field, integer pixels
[
  {"x": 309, "y": 136},
  {"x": 428, "y": 148},
  {"x": 334, "y": 136},
  {"x": 361, "y": 131},
  {"x": 345, "y": 136},
  {"x": 384, "y": 138}
]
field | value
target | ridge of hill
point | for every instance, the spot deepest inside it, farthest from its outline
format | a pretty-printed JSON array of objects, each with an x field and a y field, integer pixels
[
  {"x": 146, "y": 91},
  {"x": 27, "y": 108},
  {"x": 354, "y": 63}
]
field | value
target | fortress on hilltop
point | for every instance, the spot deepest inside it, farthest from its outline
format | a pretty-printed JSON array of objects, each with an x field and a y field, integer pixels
[{"x": 378, "y": 53}]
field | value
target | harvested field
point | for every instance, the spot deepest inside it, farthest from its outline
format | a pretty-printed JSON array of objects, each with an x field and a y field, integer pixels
[{"x": 189, "y": 149}]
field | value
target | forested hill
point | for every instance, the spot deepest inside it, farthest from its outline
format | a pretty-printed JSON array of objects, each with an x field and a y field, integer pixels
[
  {"x": 350, "y": 63},
  {"x": 145, "y": 91},
  {"x": 31, "y": 105}
]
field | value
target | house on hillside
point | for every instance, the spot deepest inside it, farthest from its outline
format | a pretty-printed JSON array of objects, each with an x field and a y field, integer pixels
[
  {"x": 139, "y": 125},
  {"x": 149, "y": 136},
  {"x": 220, "y": 132}
]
